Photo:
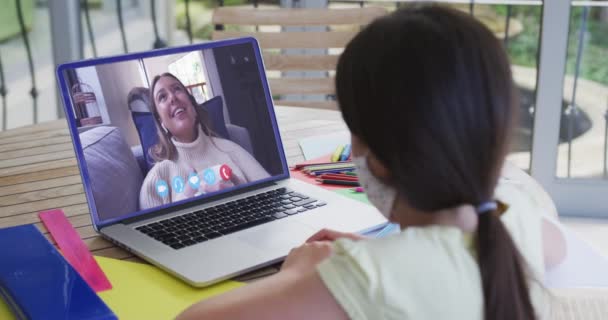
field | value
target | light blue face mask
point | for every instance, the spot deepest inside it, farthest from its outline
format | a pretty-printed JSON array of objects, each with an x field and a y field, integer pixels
[{"x": 379, "y": 194}]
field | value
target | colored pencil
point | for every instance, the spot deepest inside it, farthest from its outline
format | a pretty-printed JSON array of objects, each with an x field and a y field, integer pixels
[
  {"x": 338, "y": 171},
  {"x": 345, "y": 164},
  {"x": 337, "y": 153},
  {"x": 345, "y": 153},
  {"x": 338, "y": 182},
  {"x": 328, "y": 170},
  {"x": 338, "y": 177},
  {"x": 302, "y": 165}
]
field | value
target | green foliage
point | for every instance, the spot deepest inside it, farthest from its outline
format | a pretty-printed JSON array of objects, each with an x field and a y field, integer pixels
[
  {"x": 523, "y": 48},
  {"x": 9, "y": 25},
  {"x": 200, "y": 16}
]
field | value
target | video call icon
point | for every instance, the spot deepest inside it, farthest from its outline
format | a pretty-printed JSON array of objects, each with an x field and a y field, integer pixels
[
  {"x": 178, "y": 184},
  {"x": 194, "y": 180},
  {"x": 209, "y": 176},
  {"x": 162, "y": 188},
  {"x": 225, "y": 172}
]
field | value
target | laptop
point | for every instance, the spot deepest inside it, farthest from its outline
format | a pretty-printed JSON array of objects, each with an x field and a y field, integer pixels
[{"x": 221, "y": 218}]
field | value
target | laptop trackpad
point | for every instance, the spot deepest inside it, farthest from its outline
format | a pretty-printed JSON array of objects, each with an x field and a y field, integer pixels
[{"x": 279, "y": 237}]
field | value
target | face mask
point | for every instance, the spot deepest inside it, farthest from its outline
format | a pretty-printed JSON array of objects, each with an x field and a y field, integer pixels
[{"x": 378, "y": 193}]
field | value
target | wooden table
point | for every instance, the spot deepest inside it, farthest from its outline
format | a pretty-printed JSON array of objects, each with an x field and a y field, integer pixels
[{"x": 38, "y": 171}]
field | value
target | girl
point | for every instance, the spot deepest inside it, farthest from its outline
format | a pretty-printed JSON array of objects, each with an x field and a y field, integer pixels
[{"x": 428, "y": 97}]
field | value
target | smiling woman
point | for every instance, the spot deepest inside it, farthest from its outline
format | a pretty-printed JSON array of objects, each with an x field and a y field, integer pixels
[{"x": 188, "y": 147}]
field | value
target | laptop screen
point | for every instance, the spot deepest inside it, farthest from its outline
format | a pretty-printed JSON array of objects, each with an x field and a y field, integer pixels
[{"x": 168, "y": 127}]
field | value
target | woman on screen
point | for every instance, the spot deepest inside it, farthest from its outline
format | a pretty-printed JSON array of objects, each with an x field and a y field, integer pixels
[{"x": 190, "y": 159}]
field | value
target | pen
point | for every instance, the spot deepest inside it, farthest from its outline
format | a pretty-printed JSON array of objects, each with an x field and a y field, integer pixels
[{"x": 388, "y": 228}]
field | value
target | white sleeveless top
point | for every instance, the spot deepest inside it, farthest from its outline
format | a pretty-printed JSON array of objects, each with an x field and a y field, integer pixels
[{"x": 430, "y": 272}]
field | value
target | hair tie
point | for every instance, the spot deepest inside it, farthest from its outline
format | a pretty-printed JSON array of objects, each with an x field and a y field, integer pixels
[{"x": 486, "y": 207}]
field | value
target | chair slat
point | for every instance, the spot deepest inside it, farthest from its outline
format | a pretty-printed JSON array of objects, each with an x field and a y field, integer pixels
[
  {"x": 285, "y": 40},
  {"x": 295, "y": 17},
  {"x": 344, "y": 26},
  {"x": 302, "y": 86},
  {"x": 328, "y": 104},
  {"x": 300, "y": 62}
]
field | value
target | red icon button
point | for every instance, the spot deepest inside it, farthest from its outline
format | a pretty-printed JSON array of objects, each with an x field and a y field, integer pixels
[{"x": 225, "y": 172}]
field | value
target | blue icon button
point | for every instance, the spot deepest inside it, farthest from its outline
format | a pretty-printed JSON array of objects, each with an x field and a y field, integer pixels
[
  {"x": 178, "y": 184},
  {"x": 162, "y": 188},
  {"x": 194, "y": 181},
  {"x": 209, "y": 176}
]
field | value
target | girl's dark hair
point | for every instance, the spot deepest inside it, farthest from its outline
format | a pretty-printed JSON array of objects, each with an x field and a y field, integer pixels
[
  {"x": 429, "y": 90},
  {"x": 165, "y": 149}
]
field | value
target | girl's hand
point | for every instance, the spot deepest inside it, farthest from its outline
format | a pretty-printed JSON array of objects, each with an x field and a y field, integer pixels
[
  {"x": 332, "y": 235},
  {"x": 306, "y": 256}
]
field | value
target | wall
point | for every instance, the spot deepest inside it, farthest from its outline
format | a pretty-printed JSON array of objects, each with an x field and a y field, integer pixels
[
  {"x": 245, "y": 100},
  {"x": 89, "y": 76},
  {"x": 213, "y": 79},
  {"x": 159, "y": 65},
  {"x": 116, "y": 80}
]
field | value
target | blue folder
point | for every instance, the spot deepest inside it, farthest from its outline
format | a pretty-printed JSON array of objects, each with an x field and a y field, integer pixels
[{"x": 38, "y": 283}]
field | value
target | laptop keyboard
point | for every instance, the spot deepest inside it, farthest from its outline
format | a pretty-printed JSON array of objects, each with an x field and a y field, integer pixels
[{"x": 199, "y": 226}]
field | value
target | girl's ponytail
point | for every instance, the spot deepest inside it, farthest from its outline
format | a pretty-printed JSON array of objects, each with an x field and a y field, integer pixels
[{"x": 503, "y": 273}]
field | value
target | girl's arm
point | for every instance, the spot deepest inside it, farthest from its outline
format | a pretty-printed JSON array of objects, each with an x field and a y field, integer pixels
[{"x": 297, "y": 292}]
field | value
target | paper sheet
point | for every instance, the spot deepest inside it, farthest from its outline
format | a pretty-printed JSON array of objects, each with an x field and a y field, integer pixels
[
  {"x": 317, "y": 146},
  {"x": 582, "y": 267},
  {"x": 5, "y": 313},
  {"x": 143, "y": 291}
]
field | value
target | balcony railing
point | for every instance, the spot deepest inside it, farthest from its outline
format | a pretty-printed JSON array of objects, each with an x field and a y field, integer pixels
[{"x": 13, "y": 87}]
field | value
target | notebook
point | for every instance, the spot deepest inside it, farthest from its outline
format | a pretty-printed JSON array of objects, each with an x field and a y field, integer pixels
[
  {"x": 38, "y": 283},
  {"x": 182, "y": 161}
]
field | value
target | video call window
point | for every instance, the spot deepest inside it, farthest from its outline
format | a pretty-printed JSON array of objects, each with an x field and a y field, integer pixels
[{"x": 170, "y": 128}]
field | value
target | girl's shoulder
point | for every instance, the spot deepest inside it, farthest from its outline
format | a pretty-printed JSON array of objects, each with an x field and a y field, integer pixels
[
  {"x": 406, "y": 273},
  {"x": 432, "y": 250}
]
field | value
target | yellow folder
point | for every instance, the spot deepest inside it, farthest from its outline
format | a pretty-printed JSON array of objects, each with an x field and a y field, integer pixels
[{"x": 141, "y": 291}]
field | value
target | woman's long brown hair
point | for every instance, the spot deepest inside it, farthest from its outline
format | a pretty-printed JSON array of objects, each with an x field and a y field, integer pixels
[{"x": 429, "y": 90}]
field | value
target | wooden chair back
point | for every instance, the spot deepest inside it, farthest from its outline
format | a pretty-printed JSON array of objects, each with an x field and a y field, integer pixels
[{"x": 340, "y": 24}]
